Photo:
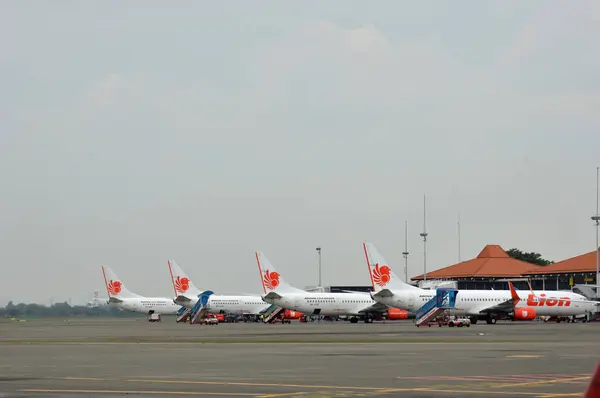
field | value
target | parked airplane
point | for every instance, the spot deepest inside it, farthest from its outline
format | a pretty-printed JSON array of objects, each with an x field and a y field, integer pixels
[
  {"x": 486, "y": 304},
  {"x": 187, "y": 295},
  {"x": 354, "y": 304},
  {"x": 119, "y": 296}
]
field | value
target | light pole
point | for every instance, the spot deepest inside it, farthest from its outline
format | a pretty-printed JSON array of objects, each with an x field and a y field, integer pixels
[
  {"x": 596, "y": 218},
  {"x": 459, "y": 237},
  {"x": 319, "y": 254},
  {"x": 424, "y": 236},
  {"x": 405, "y": 252}
]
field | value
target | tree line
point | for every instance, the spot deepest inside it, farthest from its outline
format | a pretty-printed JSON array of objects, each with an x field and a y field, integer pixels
[
  {"x": 61, "y": 310},
  {"x": 533, "y": 258}
]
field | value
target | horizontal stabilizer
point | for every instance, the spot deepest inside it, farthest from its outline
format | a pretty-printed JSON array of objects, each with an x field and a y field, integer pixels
[
  {"x": 182, "y": 299},
  {"x": 383, "y": 293},
  {"x": 272, "y": 296},
  {"x": 114, "y": 300}
]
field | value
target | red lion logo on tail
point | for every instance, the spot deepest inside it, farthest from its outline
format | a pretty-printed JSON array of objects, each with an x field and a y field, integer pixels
[
  {"x": 182, "y": 284},
  {"x": 381, "y": 275},
  {"x": 271, "y": 279},
  {"x": 115, "y": 287}
]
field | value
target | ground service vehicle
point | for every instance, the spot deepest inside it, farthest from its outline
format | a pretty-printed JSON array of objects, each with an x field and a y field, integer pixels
[{"x": 210, "y": 320}]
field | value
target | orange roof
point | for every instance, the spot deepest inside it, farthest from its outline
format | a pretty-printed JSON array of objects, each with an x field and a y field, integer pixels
[
  {"x": 493, "y": 262},
  {"x": 582, "y": 263}
]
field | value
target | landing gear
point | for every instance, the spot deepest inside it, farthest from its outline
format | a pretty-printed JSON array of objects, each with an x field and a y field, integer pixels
[
  {"x": 368, "y": 318},
  {"x": 474, "y": 320},
  {"x": 490, "y": 320},
  {"x": 354, "y": 320}
]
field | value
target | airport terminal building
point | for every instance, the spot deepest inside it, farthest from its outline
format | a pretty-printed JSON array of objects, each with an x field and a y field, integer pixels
[
  {"x": 489, "y": 270},
  {"x": 493, "y": 268}
]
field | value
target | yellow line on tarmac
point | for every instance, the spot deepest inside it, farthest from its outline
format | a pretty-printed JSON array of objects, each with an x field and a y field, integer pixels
[
  {"x": 535, "y": 383},
  {"x": 228, "y": 383},
  {"x": 154, "y": 392},
  {"x": 537, "y": 394},
  {"x": 285, "y": 394},
  {"x": 571, "y": 394}
]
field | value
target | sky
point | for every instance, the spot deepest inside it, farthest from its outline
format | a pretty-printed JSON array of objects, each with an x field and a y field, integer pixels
[{"x": 136, "y": 132}]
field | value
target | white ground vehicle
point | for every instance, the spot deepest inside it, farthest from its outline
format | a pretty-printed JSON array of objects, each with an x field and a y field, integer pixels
[
  {"x": 210, "y": 320},
  {"x": 459, "y": 322},
  {"x": 154, "y": 317}
]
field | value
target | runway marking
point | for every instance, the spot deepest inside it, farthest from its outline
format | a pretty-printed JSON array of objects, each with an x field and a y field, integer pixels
[
  {"x": 230, "y": 383},
  {"x": 551, "y": 381},
  {"x": 84, "y": 378},
  {"x": 285, "y": 394},
  {"x": 524, "y": 356},
  {"x": 153, "y": 392}
]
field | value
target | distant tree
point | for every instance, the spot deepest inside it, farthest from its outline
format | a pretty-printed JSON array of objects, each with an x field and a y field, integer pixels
[
  {"x": 61, "y": 310},
  {"x": 533, "y": 258}
]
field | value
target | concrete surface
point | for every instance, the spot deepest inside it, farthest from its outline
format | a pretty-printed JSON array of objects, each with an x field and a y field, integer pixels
[{"x": 101, "y": 357}]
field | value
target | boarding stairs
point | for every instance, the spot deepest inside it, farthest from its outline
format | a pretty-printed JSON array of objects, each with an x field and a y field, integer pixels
[
  {"x": 444, "y": 299},
  {"x": 201, "y": 307},
  {"x": 182, "y": 314},
  {"x": 271, "y": 313}
]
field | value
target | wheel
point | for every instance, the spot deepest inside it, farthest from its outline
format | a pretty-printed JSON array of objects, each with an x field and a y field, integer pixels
[
  {"x": 468, "y": 325},
  {"x": 429, "y": 325},
  {"x": 451, "y": 324},
  {"x": 439, "y": 324}
]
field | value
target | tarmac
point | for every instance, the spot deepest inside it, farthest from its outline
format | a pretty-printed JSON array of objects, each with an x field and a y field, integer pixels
[{"x": 114, "y": 357}]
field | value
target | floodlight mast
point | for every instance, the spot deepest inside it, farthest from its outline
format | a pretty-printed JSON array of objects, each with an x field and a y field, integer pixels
[
  {"x": 319, "y": 263},
  {"x": 405, "y": 252},
  {"x": 424, "y": 236},
  {"x": 459, "y": 259},
  {"x": 596, "y": 218}
]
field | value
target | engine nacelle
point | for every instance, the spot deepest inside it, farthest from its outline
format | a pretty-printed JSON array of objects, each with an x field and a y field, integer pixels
[
  {"x": 220, "y": 317},
  {"x": 396, "y": 313},
  {"x": 525, "y": 314},
  {"x": 290, "y": 314}
]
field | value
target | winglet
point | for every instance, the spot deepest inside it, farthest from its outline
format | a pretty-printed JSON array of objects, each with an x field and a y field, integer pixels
[
  {"x": 513, "y": 293},
  {"x": 593, "y": 390}
]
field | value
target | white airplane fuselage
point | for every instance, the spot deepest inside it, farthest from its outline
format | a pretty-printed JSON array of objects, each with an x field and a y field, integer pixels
[
  {"x": 472, "y": 302},
  {"x": 239, "y": 305},
  {"x": 146, "y": 305},
  {"x": 327, "y": 304}
]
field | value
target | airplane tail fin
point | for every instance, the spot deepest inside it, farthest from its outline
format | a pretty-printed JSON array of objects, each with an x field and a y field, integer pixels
[
  {"x": 382, "y": 275},
  {"x": 271, "y": 279},
  {"x": 182, "y": 284},
  {"x": 114, "y": 286}
]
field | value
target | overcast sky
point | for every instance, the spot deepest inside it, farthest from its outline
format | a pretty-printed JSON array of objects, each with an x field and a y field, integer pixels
[{"x": 137, "y": 132}]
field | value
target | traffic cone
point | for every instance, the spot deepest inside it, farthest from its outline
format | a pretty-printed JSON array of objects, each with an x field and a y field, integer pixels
[{"x": 593, "y": 390}]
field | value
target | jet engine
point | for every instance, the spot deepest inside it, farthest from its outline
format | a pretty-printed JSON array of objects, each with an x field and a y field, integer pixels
[
  {"x": 396, "y": 313},
  {"x": 525, "y": 314},
  {"x": 290, "y": 314}
]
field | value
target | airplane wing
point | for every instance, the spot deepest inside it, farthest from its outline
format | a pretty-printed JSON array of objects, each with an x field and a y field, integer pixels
[
  {"x": 377, "y": 307},
  {"x": 354, "y": 291},
  {"x": 505, "y": 306}
]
